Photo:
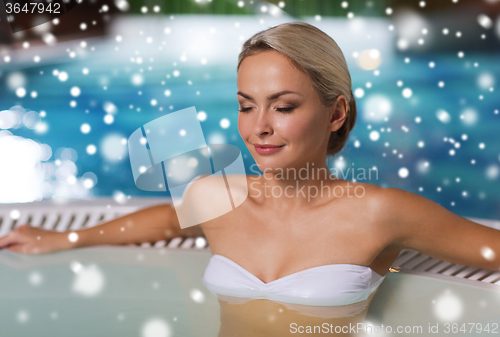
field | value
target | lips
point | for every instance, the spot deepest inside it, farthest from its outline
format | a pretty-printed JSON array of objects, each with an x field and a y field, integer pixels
[{"x": 266, "y": 148}]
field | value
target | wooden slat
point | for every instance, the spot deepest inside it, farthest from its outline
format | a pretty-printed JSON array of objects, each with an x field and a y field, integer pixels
[
  {"x": 427, "y": 264},
  {"x": 491, "y": 278},
  {"x": 63, "y": 224},
  {"x": 50, "y": 221},
  {"x": 94, "y": 219},
  {"x": 404, "y": 256},
  {"x": 23, "y": 218},
  {"x": 80, "y": 218},
  {"x": 7, "y": 223},
  {"x": 188, "y": 243},
  {"x": 174, "y": 243},
  {"x": 439, "y": 267},
  {"x": 37, "y": 218},
  {"x": 468, "y": 271},
  {"x": 160, "y": 244},
  {"x": 480, "y": 274},
  {"x": 453, "y": 269},
  {"x": 415, "y": 261}
]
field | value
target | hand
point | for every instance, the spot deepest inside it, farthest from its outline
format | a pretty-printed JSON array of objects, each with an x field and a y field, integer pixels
[{"x": 32, "y": 240}]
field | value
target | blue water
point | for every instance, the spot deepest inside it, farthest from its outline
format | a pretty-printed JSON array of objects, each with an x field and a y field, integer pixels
[{"x": 217, "y": 97}]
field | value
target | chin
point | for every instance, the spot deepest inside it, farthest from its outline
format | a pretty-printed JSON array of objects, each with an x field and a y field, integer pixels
[{"x": 270, "y": 165}]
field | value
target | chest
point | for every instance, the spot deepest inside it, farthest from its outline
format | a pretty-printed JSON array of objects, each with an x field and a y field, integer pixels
[{"x": 272, "y": 244}]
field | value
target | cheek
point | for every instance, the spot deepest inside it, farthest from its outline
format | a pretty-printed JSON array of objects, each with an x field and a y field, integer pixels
[{"x": 298, "y": 130}]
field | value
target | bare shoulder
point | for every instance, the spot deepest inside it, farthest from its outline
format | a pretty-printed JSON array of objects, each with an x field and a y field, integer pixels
[
  {"x": 366, "y": 201},
  {"x": 202, "y": 188},
  {"x": 375, "y": 195},
  {"x": 217, "y": 186},
  {"x": 368, "y": 195},
  {"x": 395, "y": 209},
  {"x": 363, "y": 189},
  {"x": 208, "y": 197},
  {"x": 377, "y": 206}
]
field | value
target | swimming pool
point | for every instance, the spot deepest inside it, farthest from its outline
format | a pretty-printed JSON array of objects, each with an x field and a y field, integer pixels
[
  {"x": 149, "y": 66},
  {"x": 155, "y": 289}
]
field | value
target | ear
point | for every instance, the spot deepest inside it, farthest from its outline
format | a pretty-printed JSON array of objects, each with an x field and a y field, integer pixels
[{"x": 338, "y": 113}]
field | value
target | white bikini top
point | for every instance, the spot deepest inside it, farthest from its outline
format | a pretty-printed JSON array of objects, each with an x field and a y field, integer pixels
[{"x": 328, "y": 285}]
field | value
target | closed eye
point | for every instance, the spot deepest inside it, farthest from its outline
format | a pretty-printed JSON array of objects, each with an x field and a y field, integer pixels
[
  {"x": 290, "y": 109},
  {"x": 285, "y": 110}
]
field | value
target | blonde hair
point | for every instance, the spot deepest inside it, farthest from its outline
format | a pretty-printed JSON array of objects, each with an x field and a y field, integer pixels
[{"x": 316, "y": 54}]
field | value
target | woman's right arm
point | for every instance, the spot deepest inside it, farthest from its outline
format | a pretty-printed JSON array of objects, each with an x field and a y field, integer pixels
[{"x": 150, "y": 224}]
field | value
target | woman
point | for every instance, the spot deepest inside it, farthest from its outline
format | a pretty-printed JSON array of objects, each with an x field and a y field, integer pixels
[{"x": 292, "y": 234}]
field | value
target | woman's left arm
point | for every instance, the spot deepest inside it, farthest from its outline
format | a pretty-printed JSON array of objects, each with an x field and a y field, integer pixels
[{"x": 418, "y": 223}]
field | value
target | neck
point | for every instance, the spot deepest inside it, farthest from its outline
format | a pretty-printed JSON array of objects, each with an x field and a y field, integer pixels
[{"x": 302, "y": 186}]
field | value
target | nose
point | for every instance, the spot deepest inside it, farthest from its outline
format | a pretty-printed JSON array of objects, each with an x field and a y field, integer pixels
[{"x": 263, "y": 123}]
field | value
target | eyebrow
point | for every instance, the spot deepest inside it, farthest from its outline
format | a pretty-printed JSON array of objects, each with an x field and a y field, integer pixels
[{"x": 271, "y": 97}]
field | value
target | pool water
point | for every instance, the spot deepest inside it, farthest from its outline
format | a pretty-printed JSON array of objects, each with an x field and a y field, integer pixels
[
  {"x": 430, "y": 305},
  {"x": 106, "y": 291},
  {"x": 125, "y": 291}
]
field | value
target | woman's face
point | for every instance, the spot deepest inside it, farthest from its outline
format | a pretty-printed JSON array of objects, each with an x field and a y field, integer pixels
[{"x": 279, "y": 106}]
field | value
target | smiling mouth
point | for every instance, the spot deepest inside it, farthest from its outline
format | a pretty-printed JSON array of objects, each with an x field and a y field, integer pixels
[
  {"x": 267, "y": 146},
  {"x": 267, "y": 149}
]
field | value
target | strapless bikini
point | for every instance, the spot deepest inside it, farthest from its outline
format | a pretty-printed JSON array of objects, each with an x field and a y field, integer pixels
[{"x": 328, "y": 285}]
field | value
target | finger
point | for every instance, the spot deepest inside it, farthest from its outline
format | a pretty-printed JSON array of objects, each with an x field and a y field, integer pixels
[
  {"x": 15, "y": 248},
  {"x": 7, "y": 240}
]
